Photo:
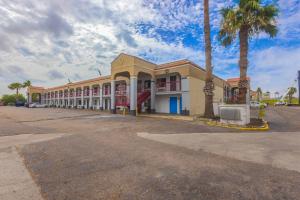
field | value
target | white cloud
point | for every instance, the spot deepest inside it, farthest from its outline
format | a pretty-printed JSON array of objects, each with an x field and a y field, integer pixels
[{"x": 275, "y": 69}]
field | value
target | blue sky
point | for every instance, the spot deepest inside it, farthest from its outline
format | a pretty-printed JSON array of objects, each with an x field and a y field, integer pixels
[{"x": 48, "y": 42}]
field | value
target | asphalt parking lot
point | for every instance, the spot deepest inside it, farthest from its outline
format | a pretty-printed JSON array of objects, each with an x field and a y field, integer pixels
[{"x": 78, "y": 154}]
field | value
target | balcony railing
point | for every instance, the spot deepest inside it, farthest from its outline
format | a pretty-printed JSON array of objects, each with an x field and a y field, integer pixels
[
  {"x": 96, "y": 92},
  {"x": 121, "y": 93},
  {"x": 106, "y": 91},
  {"x": 78, "y": 94},
  {"x": 172, "y": 86}
]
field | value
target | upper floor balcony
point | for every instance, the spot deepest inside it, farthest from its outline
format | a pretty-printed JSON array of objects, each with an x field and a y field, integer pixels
[
  {"x": 106, "y": 91},
  {"x": 78, "y": 93},
  {"x": 96, "y": 92},
  {"x": 168, "y": 86}
]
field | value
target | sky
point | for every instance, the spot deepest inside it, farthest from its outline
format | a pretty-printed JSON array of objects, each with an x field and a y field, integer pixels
[{"x": 48, "y": 42}]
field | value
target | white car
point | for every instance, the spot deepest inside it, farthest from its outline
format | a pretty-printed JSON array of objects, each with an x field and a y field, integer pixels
[
  {"x": 280, "y": 103},
  {"x": 255, "y": 104},
  {"x": 37, "y": 105}
]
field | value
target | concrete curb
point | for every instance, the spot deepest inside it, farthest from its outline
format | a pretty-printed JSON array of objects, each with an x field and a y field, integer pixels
[
  {"x": 183, "y": 118},
  {"x": 264, "y": 127}
]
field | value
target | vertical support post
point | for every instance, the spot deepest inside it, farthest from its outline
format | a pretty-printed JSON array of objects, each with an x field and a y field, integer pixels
[
  {"x": 82, "y": 106},
  {"x": 74, "y": 98},
  {"x": 63, "y": 98},
  {"x": 58, "y": 98},
  {"x": 101, "y": 98},
  {"x": 112, "y": 96},
  {"x": 91, "y": 97},
  {"x": 127, "y": 93},
  {"x": 152, "y": 96},
  {"x": 69, "y": 98},
  {"x": 299, "y": 87},
  {"x": 133, "y": 95},
  {"x": 29, "y": 98}
]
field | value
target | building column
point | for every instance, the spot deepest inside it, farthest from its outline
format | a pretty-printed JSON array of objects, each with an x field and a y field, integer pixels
[
  {"x": 133, "y": 95},
  {"x": 152, "y": 96},
  {"x": 58, "y": 99},
  {"x": 185, "y": 97},
  {"x": 68, "y": 98},
  {"x": 82, "y": 106},
  {"x": 29, "y": 98},
  {"x": 74, "y": 98},
  {"x": 50, "y": 99},
  {"x": 112, "y": 96},
  {"x": 45, "y": 101},
  {"x": 91, "y": 97},
  {"x": 128, "y": 93},
  {"x": 101, "y": 98}
]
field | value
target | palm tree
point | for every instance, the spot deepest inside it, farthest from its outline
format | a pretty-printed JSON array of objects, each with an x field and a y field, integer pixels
[
  {"x": 249, "y": 18},
  {"x": 27, "y": 84},
  {"x": 276, "y": 95},
  {"x": 259, "y": 93},
  {"x": 291, "y": 92},
  {"x": 15, "y": 86},
  {"x": 209, "y": 85}
]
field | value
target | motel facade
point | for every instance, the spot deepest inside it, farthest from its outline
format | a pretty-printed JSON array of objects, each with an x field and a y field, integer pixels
[{"x": 139, "y": 86}]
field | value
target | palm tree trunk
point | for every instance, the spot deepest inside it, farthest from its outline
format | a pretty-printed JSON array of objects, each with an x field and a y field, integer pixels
[
  {"x": 17, "y": 91},
  {"x": 243, "y": 83},
  {"x": 209, "y": 85}
]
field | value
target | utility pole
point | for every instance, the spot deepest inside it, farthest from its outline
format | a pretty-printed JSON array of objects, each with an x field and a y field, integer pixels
[{"x": 299, "y": 87}]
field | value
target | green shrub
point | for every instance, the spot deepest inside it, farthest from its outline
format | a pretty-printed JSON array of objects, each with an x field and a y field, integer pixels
[
  {"x": 11, "y": 99},
  {"x": 261, "y": 112}
]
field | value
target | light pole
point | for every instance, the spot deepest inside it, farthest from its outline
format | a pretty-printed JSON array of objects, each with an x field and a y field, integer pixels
[{"x": 299, "y": 87}]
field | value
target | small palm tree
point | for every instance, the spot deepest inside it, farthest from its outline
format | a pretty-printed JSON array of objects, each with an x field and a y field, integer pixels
[
  {"x": 291, "y": 92},
  {"x": 15, "y": 86},
  {"x": 249, "y": 18},
  {"x": 209, "y": 85},
  {"x": 259, "y": 93}
]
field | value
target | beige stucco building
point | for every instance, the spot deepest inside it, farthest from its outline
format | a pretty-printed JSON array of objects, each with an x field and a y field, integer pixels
[{"x": 139, "y": 85}]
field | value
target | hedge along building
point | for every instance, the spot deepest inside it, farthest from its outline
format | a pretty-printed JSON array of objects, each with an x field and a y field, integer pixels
[{"x": 175, "y": 88}]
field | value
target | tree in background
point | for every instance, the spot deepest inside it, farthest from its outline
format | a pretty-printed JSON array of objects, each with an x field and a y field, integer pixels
[
  {"x": 292, "y": 91},
  {"x": 259, "y": 94},
  {"x": 12, "y": 99},
  {"x": 15, "y": 86},
  {"x": 276, "y": 95},
  {"x": 209, "y": 85},
  {"x": 249, "y": 18}
]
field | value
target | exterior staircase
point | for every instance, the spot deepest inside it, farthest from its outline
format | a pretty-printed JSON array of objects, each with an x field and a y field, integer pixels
[{"x": 142, "y": 97}]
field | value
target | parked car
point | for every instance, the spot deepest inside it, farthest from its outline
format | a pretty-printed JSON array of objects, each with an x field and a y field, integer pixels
[
  {"x": 255, "y": 104},
  {"x": 37, "y": 105},
  {"x": 280, "y": 103},
  {"x": 20, "y": 103}
]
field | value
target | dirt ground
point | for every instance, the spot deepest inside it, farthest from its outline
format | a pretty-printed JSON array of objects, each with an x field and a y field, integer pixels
[{"x": 100, "y": 156}]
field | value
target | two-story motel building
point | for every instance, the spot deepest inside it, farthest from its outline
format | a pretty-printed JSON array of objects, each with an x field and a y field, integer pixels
[{"x": 175, "y": 88}]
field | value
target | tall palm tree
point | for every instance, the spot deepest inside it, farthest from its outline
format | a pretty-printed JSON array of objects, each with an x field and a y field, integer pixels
[
  {"x": 291, "y": 92},
  {"x": 209, "y": 85},
  {"x": 15, "y": 86},
  {"x": 259, "y": 93},
  {"x": 249, "y": 18}
]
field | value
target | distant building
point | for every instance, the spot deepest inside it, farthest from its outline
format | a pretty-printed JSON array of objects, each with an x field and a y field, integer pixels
[
  {"x": 266, "y": 96},
  {"x": 253, "y": 95},
  {"x": 234, "y": 89}
]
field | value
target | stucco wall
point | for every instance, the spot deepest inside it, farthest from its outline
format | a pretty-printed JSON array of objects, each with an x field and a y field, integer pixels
[
  {"x": 162, "y": 103},
  {"x": 197, "y": 96}
]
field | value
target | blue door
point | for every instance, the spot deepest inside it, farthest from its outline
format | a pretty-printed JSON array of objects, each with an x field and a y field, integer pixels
[{"x": 173, "y": 105}]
